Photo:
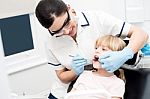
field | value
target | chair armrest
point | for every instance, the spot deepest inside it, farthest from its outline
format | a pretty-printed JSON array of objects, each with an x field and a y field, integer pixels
[{"x": 137, "y": 83}]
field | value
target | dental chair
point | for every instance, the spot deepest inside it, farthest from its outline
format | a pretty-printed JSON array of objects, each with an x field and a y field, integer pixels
[
  {"x": 137, "y": 79},
  {"x": 137, "y": 83}
]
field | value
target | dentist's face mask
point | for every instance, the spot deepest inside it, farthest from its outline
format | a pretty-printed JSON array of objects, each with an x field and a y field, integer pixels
[{"x": 67, "y": 27}]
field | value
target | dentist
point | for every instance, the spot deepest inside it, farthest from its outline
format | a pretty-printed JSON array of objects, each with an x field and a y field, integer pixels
[{"x": 74, "y": 33}]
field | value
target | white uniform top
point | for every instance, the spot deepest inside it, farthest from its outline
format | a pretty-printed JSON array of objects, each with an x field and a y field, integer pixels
[{"x": 91, "y": 25}]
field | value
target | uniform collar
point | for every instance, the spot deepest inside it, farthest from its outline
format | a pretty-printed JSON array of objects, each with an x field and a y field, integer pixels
[{"x": 82, "y": 21}]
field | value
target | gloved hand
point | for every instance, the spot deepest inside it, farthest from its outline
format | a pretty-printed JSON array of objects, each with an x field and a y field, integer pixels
[
  {"x": 113, "y": 60},
  {"x": 78, "y": 64}
]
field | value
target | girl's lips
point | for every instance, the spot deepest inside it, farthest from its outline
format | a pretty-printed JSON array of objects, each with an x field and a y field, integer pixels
[{"x": 95, "y": 58}]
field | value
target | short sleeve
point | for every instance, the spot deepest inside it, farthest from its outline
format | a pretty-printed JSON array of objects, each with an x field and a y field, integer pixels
[
  {"x": 52, "y": 60},
  {"x": 111, "y": 24}
]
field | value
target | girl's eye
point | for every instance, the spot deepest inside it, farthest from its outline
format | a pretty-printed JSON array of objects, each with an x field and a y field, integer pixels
[
  {"x": 95, "y": 47},
  {"x": 103, "y": 49}
]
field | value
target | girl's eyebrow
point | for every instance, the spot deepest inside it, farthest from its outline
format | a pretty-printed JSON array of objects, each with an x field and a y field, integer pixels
[{"x": 71, "y": 55}]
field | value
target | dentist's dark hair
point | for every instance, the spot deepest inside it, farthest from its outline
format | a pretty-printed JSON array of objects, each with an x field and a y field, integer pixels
[{"x": 47, "y": 10}]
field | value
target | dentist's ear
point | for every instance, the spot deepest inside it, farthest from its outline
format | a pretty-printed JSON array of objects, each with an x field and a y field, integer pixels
[
  {"x": 68, "y": 6},
  {"x": 70, "y": 9}
]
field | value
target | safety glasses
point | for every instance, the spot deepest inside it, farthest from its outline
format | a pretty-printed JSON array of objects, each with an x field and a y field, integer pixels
[{"x": 63, "y": 26}]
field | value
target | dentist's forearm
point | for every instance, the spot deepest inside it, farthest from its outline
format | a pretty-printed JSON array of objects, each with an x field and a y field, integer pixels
[
  {"x": 137, "y": 38},
  {"x": 66, "y": 76}
]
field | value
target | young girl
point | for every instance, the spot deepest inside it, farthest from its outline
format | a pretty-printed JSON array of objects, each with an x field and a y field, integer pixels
[{"x": 100, "y": 79}]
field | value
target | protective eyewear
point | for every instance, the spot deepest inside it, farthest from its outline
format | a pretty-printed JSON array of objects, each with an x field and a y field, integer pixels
[{"x": 65, "y": 24}]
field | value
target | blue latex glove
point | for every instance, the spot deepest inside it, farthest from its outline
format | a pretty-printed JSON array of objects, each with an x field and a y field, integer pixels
[
  {"x": 112, "y": 61},
  {"x": 78, "y": 64}
]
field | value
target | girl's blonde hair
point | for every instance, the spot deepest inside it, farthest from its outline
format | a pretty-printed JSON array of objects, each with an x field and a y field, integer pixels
[
  {"x": 112, "y": 42},
  {"x": 115, "y": 44}
]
